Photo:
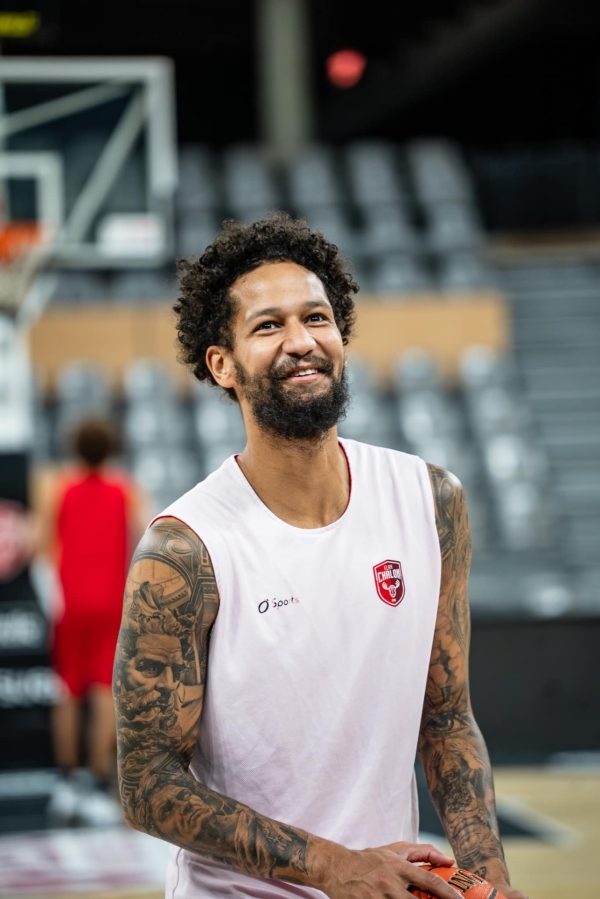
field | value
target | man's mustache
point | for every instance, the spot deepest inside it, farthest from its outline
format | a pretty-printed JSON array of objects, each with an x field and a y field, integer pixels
[{"x": 282, "y": 371}]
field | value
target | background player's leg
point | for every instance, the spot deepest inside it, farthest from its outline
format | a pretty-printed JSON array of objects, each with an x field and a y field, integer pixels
[
  {"x": 66, "y": 730},
  {"x": 101, "y": 736},
  {"x": 96, "y": 805}
]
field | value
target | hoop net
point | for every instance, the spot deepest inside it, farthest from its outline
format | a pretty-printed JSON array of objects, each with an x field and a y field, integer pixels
[{"x": 23, "y": 252}]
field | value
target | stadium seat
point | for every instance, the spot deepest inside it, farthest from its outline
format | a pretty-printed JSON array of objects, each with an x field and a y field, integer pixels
[
  {"x": 199, "y": 189},
  {"x": 368, "y": 417},
  {"x": 367, "y": 421},
  {"x": 148, "y": 424},
  {"x": 416, "y": 370},
  {"x": 449, "y": 452},
  {"x": 196, "y": 229},
  {"x": 361, "y": 378},
  {"x": 332, "y": 222},
  {"x": 312, "y": 178},
  {"x": 217, "y": 420},
  {"x": 510, "y": 457},
  {"x": 387, "y": 230},
  {"x": 373, "y": 174},
  {"x": 142, "y": 422},
  {"x": 480, "y": 366},
  {"x": 81, "y": 383},
  {"x": 214, "y": 455},
  {"x": 426, "y": 415},
  {"x": 521, "y": 516},
  {"x": 148, "y": 380},
  {"x": 81, "y": 392},
  {"x": 496, "y": 410},
  {"x": 462, "y": 272},
  {"x": 438, "y": 173},
  {"x": 548, "y": 594},
  {"x": 452, "y": 227},
  {"x": 250, "y": 189},
  {"x": 165, "y": 475},
  {"x": 398, "y": 273}
]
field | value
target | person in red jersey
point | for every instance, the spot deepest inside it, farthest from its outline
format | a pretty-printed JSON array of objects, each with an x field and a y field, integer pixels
[{"x": 97, "y": 515}]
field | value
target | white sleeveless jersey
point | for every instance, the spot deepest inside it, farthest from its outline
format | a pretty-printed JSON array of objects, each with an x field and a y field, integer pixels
[{"x": 317, "y": 662}]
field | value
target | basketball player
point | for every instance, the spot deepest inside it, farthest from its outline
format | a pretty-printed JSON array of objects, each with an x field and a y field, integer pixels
[
  {"x": 93, "y": 506},
  {"x": 296, "y": 627}
]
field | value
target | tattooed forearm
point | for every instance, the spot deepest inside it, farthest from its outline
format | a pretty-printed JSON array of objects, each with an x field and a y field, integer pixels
[
  {"x": 171, "y": 603},
  {"x": 451, "y": 748}
]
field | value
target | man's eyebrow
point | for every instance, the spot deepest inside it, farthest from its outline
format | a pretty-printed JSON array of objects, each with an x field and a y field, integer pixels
[{"x": 273, "y": 310}]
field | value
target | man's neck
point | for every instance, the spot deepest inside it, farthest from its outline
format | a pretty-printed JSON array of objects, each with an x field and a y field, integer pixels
[{"x": 305, "y": 483}]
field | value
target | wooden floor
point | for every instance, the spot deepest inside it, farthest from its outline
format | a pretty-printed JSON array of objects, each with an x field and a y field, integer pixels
[
  {"x": 563, "y": 805},
  {"x": 568, "y": 868}
]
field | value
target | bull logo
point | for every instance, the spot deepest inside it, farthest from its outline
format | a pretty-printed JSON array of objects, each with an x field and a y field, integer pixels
[{"x": 389, "y": 582}]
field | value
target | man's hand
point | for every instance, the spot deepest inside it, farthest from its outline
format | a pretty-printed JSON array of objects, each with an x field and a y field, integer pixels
[{"x": 386, "y": 872}]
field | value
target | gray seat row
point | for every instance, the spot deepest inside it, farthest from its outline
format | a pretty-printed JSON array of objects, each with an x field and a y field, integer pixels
[
  {"x": 489, "y": 439},
  {"x": 324, "y": 186},
  {"x": 365, "y": 173}
]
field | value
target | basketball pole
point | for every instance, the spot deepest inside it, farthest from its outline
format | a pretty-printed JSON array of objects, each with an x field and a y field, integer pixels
[
  {"x": 284, "y": 88},
  {"x": 4, "y": 196}
]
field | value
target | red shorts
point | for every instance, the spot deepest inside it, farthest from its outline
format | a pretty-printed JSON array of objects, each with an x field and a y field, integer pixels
[{"x": 84, "y": 651}]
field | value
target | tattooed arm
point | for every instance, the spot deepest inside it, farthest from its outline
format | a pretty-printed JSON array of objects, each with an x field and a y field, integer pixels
[
  {"x": 451, "y": 747},
  {"x": 171, "y": 603}
]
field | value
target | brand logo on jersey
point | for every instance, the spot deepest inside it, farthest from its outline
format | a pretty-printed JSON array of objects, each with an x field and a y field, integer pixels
[
  {"x": 389, "y": 582},
  {"x": 267, "y": 604}
]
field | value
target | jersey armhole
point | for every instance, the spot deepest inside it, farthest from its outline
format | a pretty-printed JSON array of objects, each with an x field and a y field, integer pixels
[{"x": 431, "y": 505}]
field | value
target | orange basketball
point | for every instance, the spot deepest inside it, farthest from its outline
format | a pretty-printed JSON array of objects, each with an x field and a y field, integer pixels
[{"x": 472, "y": 886}]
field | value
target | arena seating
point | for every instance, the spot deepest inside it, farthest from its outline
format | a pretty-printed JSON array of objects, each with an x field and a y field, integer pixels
[
  {"x": 521, "y": 432},
  {"x": 405, "y": 216},
  {"x": 554, "y": 311},
  {"x": 157, "y": 433},
  {"x": 81, "y": 389}
]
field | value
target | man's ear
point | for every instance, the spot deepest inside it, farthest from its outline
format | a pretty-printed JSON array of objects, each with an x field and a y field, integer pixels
[{"x": 220, "y": 364}]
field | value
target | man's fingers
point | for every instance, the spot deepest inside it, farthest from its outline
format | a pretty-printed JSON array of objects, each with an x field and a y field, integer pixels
[
  {"x": 425, "y": 852},
  {"x": 434, "y": 884}
]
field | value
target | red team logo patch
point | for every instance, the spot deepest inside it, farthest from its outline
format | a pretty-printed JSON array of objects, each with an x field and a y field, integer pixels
[{"x": 389, "y": 582}]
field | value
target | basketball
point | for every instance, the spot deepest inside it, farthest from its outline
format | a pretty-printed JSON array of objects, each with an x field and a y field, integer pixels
[{"x": 471, "y": 885}]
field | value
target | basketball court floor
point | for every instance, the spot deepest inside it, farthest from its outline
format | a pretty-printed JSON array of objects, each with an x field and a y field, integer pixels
[{"x": 550, "y": 817}]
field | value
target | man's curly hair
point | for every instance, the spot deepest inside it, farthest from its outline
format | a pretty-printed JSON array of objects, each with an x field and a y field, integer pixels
[{"x": 205, "y": 308}]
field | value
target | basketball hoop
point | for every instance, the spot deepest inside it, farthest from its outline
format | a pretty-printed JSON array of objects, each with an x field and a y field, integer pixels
[{"x": 23, "y": 252}]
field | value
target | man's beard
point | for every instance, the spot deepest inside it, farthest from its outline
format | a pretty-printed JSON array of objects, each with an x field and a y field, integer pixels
[{"x": 293, "y": 416}]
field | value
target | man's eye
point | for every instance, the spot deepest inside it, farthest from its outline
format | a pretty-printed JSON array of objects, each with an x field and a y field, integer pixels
[
  {"x": 150, "y": 668},
  {"x": 317, "y": 316},
  {"x": 266, "y": 326}
]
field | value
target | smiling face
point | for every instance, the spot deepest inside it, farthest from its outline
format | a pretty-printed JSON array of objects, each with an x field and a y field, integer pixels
[{"x": 287, "y": 362}]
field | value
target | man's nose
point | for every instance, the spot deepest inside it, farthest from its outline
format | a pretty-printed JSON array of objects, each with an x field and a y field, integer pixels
[
  {"x": 298, "y": 340},
  {"x": 166, "y": 681}
]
